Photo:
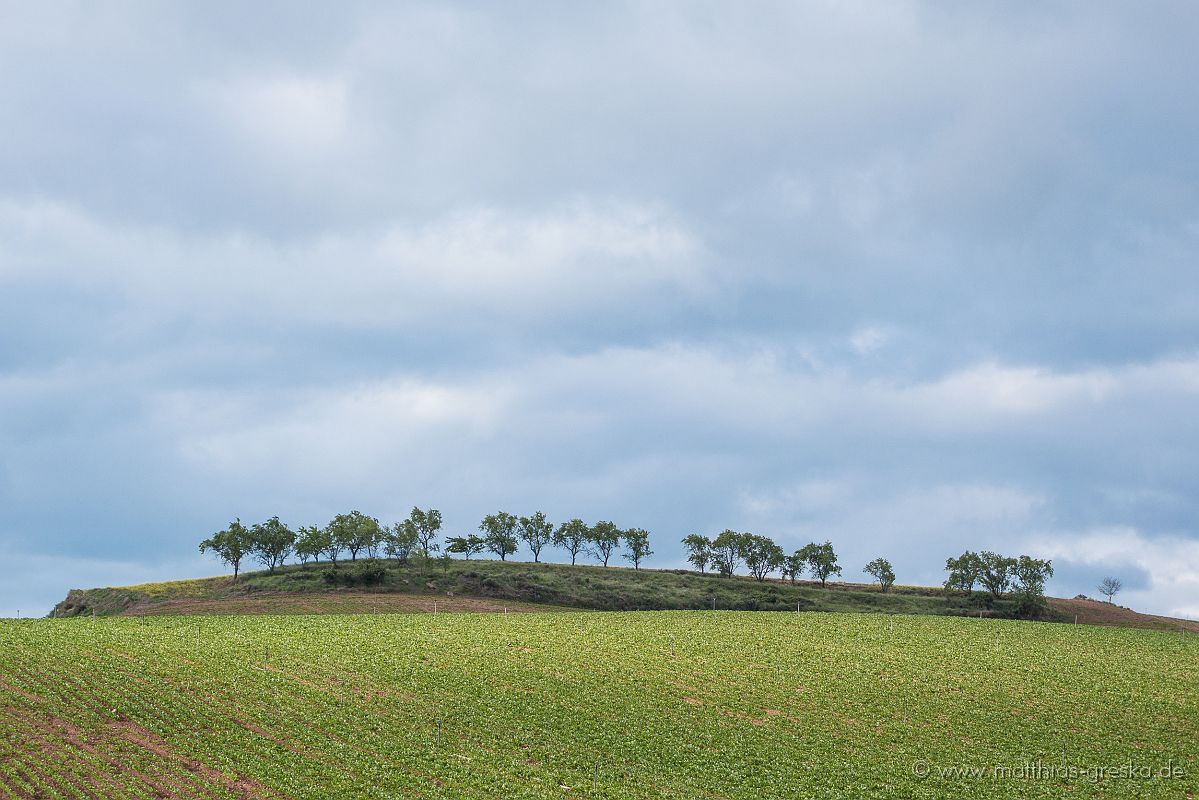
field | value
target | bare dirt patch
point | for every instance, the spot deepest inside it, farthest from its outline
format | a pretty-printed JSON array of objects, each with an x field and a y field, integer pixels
[
  {"x": 1097, "y": 612},
  {"x": 336, "y": 602}
]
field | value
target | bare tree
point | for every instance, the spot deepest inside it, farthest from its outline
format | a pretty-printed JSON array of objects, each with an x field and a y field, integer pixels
[{"x": 1110, "y": 586}]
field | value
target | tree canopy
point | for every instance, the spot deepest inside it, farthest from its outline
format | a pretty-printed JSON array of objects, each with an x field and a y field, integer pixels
[
  {"x": 603, "y": 538},
  {"x": 637, "y": 548},
  {"x": 762, "y": 556},
  {"x": 470, "y": 545},
  {"x": 355, "y": 532},
  {"x": 499, "y": 533},
  {"x": 883, "y": 574},
  {"x": 271, "y": 542},
  {"x": 423, "y": 526},
  {"x": 820, "y": 560},
  {"x": 573, "y": 537},
  {"x": 230, "y": 545},
  {"x": 536, "y": 532},
  {"x": 726, "y": 552},
  {"x": 699, "y": 551}
]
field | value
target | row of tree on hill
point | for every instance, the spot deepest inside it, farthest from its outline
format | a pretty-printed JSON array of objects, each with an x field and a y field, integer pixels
[
  {"x": 272, "y": 543},
  {"x": 1024, "y": 577},
  {"x": 502, "y": 532},
  {"x": 729, "y": 550}
]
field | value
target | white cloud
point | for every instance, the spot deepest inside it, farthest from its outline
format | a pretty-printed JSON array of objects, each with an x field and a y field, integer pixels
[
  {"x": 580, "y": 252},
  {"x": 291, "y": 118},
  {"x": 521, "y": 267},
  {"x": 750, "y": 395},
  {"x": 869, "y": 339},
  {"x": 806, "y": 497},
  {"x": 348, "y": 435},
  {"x": 990, "y": 390}
]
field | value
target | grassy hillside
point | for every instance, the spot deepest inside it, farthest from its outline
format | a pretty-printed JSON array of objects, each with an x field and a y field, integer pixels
[
  {"x": 485, "y": 585},
  {"x": 583, "y": 586},
  {"x": 599, "y": 705}
]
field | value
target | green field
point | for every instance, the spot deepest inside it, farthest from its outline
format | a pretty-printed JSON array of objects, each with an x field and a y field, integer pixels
[{"x": 640, "y": 705}]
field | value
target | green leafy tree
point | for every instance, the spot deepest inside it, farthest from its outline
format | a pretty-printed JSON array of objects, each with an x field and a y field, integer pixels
[
  {"x": 995, "y": 572},
  {"x": 271, "y": 542},
  {"x": 762, "y": 556},
  {"x": 728, "y": 549},
  {"x": 572, "y": 536},
  {"x": 333, "y": 545},
  {"x": 604, "y": 537},
  {"x": 794, "y": 566},
  {"x": 230, "y": 545},
  {"x": 820, "y": 560},
  {"x": 355, "y": 532},
  {"x": 399, "y": 541},
  {"x": 372, "y": 535},
  {"x": 964, "y": 571},
  {"x": 310, "y": 543},
  {"x": 881, "y": 569},
  {"x": 499, "y": 533},
  {"x": 699, "y": 551},
  {"x": 468, "y": 546},
  {"x": 1029, "y": 575},
  {"x": 636, "y": 541},
  {"x": 425, "y": 524},
  {"x": 536, "y": 532},
  {"x": 376, "y": 541}
]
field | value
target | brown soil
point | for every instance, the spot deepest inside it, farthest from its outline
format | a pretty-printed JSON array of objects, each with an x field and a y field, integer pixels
[
  {"x": 335, "y": 602},
  {"x": 1096, "y": 612}
]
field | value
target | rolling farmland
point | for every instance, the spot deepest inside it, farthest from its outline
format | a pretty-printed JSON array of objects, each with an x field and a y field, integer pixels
[{"x": 612, "y": 705}]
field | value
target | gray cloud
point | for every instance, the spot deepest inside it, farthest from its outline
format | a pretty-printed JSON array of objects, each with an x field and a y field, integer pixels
[{"x": 914, "y": 278}]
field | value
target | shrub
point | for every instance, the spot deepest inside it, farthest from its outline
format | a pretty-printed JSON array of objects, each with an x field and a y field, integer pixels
[
  {"x": 363, "y": 575},
  {"x": 370, "y": 575}
]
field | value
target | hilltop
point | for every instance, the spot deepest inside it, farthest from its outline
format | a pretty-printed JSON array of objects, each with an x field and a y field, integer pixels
[{"x": 369, "y": 586}]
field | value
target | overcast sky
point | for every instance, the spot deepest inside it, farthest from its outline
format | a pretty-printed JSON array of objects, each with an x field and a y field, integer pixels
[{"x": 911, "y": 277}]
